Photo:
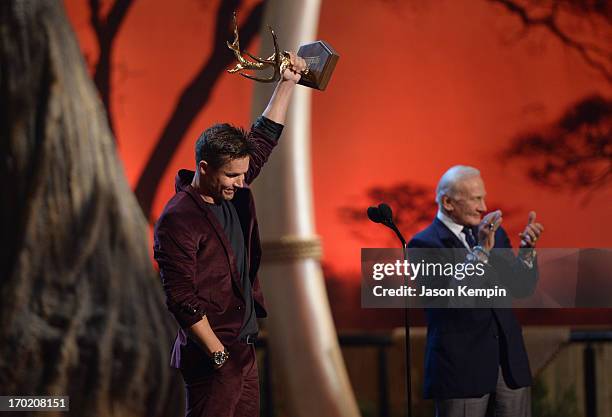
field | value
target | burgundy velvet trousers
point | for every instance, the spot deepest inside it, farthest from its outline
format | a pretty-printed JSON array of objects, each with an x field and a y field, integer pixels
[{"x": 230, "y": 391}]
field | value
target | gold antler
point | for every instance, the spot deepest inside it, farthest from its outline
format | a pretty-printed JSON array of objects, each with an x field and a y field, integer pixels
[{"x": 279, "y": 61}]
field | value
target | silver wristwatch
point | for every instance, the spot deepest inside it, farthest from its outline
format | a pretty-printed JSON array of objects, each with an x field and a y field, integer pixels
[
  {"x": 478, "y": 254},
  {"x": 220, "y": 357}
]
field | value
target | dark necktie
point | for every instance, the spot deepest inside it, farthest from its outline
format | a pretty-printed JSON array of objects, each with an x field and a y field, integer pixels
[{"x": 469, "y": 236}]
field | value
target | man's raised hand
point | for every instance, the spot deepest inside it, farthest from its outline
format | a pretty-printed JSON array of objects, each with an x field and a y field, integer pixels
[
  {"x": 487, "y": 227},
  {"x": 292, "y": 72},
  {"x": 532, "y": 232}
]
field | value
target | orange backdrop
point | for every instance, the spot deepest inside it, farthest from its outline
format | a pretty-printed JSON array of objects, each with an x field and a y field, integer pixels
[{"x": 420, "y": 86}]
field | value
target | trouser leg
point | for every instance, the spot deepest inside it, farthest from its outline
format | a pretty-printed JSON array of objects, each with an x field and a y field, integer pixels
[
  {"x": 231, "y": 391},
  {"x": 248, "y": 403},
  {"x": 462, "y": 407},
  {"x": 511, "y": 402}
]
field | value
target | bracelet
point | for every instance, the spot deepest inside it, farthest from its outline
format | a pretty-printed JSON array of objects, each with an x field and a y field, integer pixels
[
  {"x": 527, "y": 255},
  {"x": 479, "y": 248},
  {"x": 474, "y": 257},
  {"x": 527, "y": 252}
]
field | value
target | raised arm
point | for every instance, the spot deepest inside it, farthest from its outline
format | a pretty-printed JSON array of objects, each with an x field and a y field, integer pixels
[
  {"x": 279, "y": 102},
  {"x": 267, "y": 129}
]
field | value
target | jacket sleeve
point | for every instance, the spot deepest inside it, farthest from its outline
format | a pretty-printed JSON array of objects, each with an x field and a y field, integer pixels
[
  {"x": 263, "y": 137},
  {"x": 520, "y": 279},
  {"x": 175, "y": 248}
]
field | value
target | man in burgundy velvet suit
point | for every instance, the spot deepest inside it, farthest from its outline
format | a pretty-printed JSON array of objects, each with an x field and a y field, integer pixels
[{"x": 208, "y": 250}]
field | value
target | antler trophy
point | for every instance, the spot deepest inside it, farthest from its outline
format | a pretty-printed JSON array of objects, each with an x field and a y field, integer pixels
[{"x": 319, "y": 56}]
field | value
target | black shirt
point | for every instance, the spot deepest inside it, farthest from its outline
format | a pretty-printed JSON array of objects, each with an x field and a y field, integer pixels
[{"x": 228, "y": 218}]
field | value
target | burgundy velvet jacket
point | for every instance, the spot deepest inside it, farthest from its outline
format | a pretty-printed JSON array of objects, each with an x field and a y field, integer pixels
[{"x": 196, "y": 261}]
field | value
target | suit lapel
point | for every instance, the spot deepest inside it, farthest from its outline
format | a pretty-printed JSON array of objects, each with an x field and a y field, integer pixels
[
  {"x": 448, "y": 238},
  {"x": 450, "y": 241}
]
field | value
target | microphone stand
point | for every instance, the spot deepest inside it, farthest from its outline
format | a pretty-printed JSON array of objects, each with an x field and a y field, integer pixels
[
  {"x": 406, "y": 328},
  {"x": 383, "y": 214},
  {"x": 388, "y": 221},
  {"x": 407, "y": 340}
]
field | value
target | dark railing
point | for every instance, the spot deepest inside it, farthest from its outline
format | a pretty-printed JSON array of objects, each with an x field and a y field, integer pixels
[
  {"x": 383, "y": 342},
  {"x": 380, "y": 341},
  {"x": 589, "y": 338}
]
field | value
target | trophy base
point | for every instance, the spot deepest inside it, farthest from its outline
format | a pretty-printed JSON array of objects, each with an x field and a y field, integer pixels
[{"x": 321, "y": 60}]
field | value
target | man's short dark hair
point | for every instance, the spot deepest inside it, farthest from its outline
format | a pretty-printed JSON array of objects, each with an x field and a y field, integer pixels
[{"x": 221, "y": 143}]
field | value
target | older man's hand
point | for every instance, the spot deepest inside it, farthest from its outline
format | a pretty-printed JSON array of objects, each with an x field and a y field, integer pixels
[
  {"x": 532, "y": 232},
  {"x": 487, "y": 227}
]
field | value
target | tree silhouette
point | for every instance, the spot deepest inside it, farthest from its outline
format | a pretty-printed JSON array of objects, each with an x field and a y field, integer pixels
[
  {"x": 583, "y": 26},
  {"x": 414, "y": 207},
  {"x": 194, "y": 98},
  {"x": 106, "y": 31},
  {"x": 575, "y": 152},
  {"x": 585, "y": 38}
]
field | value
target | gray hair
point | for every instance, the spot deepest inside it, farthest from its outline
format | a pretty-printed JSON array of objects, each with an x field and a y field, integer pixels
[{"x": 450, "y": 179}]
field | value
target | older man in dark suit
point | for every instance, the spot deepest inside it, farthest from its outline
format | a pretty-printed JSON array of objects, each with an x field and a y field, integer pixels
[
  {"x": 475, "y": 360},
  {"x": 208, "y": 250}
]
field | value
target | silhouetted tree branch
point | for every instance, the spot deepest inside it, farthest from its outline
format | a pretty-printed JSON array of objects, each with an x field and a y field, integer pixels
[
  {"x": 194, "y": 98},
  {"x": 106, "y": 32},
  {"x": 414, "y": 207},
  {"x": 575, "y": 152},
  {"x": 548, "y": 15}
]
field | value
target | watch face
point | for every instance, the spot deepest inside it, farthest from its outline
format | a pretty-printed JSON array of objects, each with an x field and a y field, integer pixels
[{"x": 219, "y": 358}]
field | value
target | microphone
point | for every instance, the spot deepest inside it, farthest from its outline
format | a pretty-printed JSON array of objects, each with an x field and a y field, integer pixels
[
  {"x": 374, "y": 214},
  {"x": 384, "y": 215},
  {"x": 387, "y": 214}
]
